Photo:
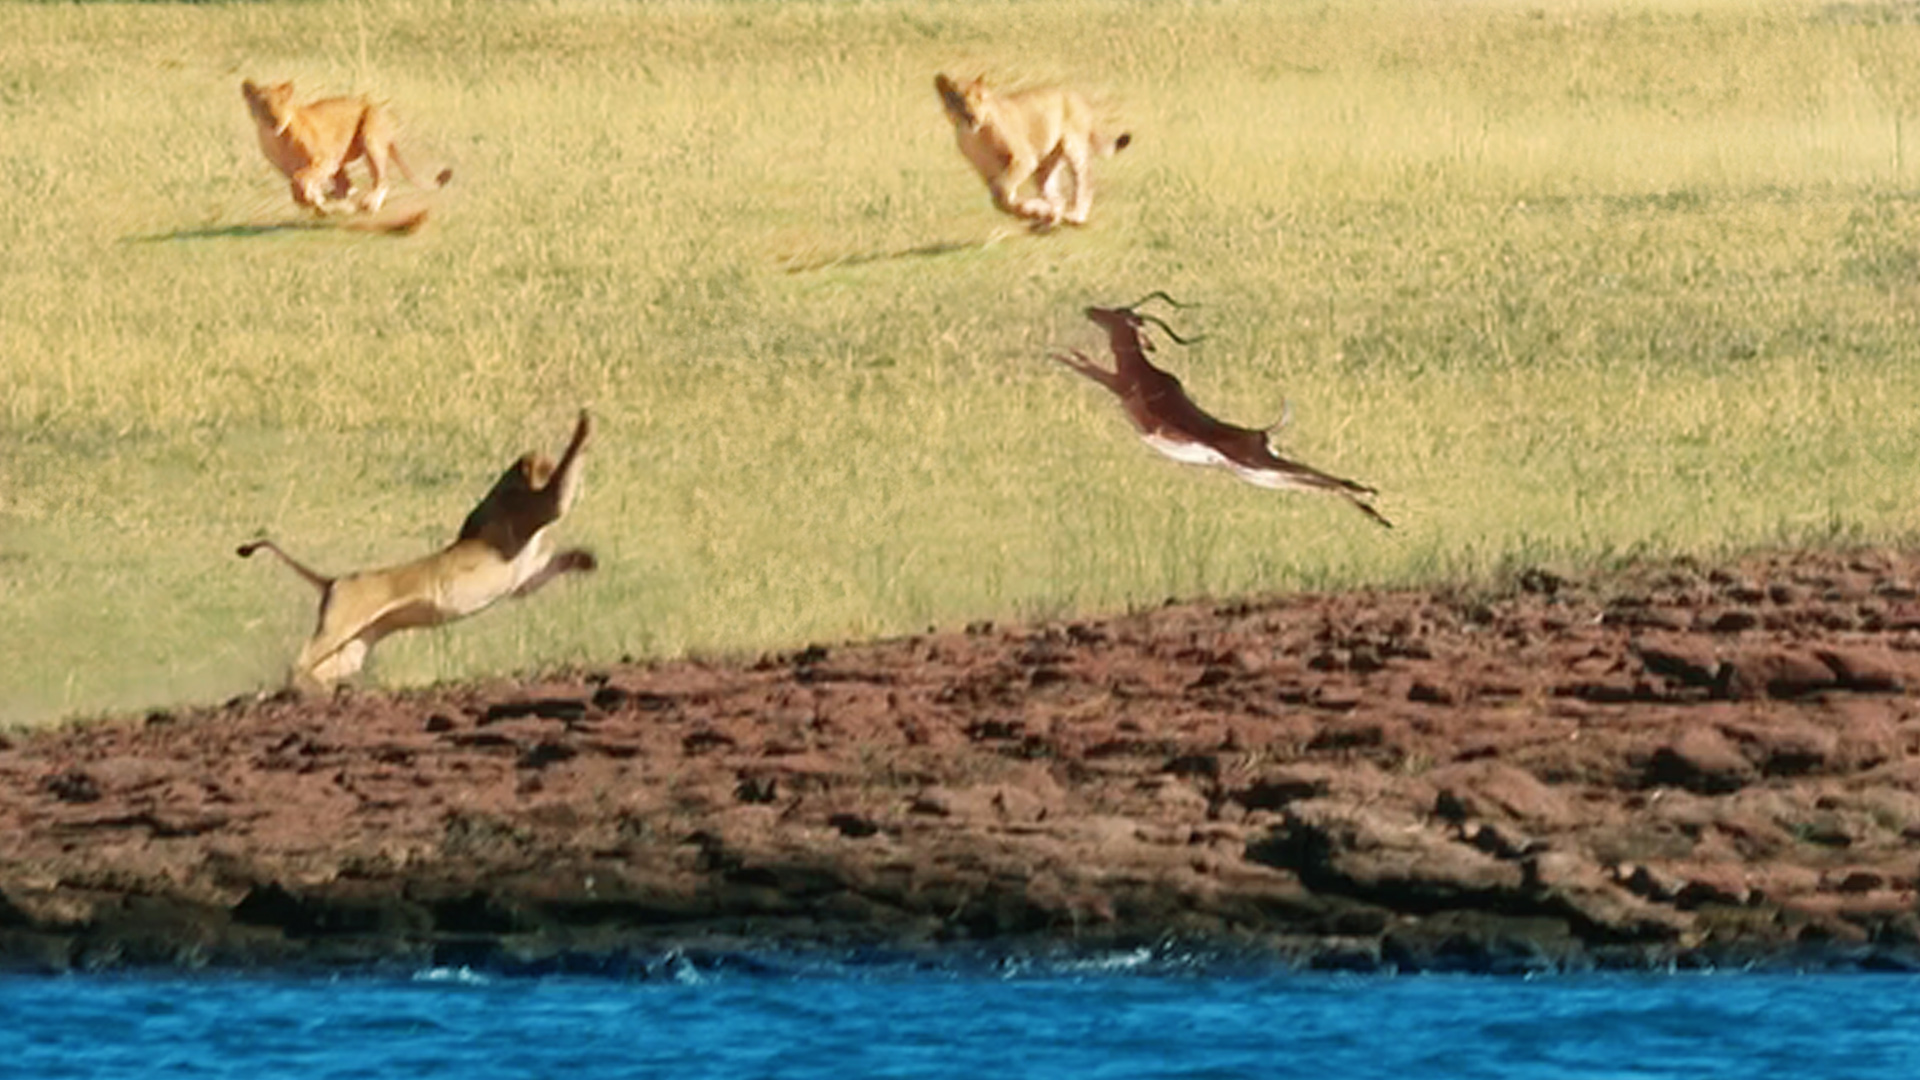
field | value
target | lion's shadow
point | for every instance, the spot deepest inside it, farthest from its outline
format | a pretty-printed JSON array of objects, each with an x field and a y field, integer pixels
[
  {"x": 799, "y": 264},
  {"x": 397, "y": 220},
  {"x": 232, "y": 232}
]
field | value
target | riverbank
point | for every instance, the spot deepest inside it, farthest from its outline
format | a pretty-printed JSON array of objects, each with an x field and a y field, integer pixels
[{"x": 1669, "y": 764}]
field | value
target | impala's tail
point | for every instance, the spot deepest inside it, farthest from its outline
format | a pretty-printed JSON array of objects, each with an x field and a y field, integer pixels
[{"x": 317, "y": 580}]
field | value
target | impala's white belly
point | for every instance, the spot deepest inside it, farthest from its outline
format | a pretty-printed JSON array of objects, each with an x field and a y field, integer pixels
[
  {"x": 1185, "y": 452},
  {"x": 1267, "y": 478},
  {"x": 1193, "y": 453}
]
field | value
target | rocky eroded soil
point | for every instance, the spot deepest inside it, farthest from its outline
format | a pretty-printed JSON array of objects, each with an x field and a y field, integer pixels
[{"x": 1670, "y": 764}]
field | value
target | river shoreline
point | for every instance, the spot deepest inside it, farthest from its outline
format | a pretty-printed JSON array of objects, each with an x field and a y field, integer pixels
[{"x": 1669, "y": 765}]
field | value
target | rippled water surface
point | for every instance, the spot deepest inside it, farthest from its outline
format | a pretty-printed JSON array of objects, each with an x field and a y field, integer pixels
[{"x": 1098, "y": 1021}]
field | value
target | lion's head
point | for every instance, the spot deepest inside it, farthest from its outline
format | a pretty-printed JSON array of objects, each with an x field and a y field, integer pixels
[
  {"x": 272, "y": 106},
  {"x": 965, "y": 104}
]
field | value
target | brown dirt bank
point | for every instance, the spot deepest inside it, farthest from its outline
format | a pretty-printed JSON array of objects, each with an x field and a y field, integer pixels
[{"x": 1667, "y": 764}]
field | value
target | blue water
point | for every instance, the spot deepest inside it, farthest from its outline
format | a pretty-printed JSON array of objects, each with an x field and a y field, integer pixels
[{"x": 1093, "y": 1022}]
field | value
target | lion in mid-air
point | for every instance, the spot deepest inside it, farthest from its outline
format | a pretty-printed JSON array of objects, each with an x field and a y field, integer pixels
[
  {"x": 1012, "y": 138},
  {"x": 313, "y": 144},
  {"x": 503, "y": 551}
]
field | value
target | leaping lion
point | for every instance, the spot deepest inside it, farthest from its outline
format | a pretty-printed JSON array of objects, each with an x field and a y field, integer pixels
[{"x": 503, "y": 551}]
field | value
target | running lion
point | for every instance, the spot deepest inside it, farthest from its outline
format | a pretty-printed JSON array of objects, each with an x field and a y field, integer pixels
[
  {"x": 1027, "y": 135},
  {"x": 313, "y": 144}
]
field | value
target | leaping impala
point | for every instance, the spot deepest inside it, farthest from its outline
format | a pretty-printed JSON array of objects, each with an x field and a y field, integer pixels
[{"x": 1170, "y": 422}]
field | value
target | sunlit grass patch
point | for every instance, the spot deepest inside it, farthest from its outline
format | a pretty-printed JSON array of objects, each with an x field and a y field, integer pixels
[{"x": 1565, "y": 281}]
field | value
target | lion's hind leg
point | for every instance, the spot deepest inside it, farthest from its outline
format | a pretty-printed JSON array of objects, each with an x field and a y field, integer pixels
[
  {"x": 372, "y": 199},
  {"x": 1078, "y": 159},
  {"x": 317, "y": 674},
  {"x": 376, "y": 195},
  {"x": 374, "y": 141},
  {"x": 1049, "y": 178},
  {"x": 359, "y": 613}
]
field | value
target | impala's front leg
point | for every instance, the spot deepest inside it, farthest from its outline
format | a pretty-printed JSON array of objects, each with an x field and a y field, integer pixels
[{"x": 1077, "y": 361}]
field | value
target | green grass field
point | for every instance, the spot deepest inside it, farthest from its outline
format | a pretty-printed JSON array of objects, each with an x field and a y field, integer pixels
[{"x": 1567, "y": 281}]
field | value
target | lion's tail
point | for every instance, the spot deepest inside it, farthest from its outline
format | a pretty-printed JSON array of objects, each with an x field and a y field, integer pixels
[
  {"x": 440, "y": 181},
  {"x": 315, "y": 578}
]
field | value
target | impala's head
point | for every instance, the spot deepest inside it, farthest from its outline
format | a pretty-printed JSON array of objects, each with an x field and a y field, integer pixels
[
  {"x": 531, "y": 494},
  {"x": 963, "y": 103},
  {"x": 1128, "y": 320},
  {"x": 531, "y": 472}
]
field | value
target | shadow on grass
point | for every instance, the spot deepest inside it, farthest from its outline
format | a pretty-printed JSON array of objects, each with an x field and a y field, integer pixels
[
  {"x": 232, "y": 232},
  {"x": 405, "y": 223},
  {"x": 800, "y": 264}
]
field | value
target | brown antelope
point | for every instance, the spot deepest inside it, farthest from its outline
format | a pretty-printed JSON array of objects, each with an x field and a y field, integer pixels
[{"x": 1170, "y": 422}]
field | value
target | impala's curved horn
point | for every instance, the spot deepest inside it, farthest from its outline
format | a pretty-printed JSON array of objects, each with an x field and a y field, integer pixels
[
  {"x": 1164, "y": 328},
  {"x": 1159, "y": 295},
  {"x": 1133, "y": 310}
]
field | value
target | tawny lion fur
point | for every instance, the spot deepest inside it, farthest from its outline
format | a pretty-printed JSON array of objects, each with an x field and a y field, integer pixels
[
  {"x": 503, "y": 551},
  {"x": 1027, "y": 135},
  {"x": 313, "y": 144}
]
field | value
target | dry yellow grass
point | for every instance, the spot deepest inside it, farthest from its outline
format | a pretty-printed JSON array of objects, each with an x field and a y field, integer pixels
[{"x": 1566, "y": 281}]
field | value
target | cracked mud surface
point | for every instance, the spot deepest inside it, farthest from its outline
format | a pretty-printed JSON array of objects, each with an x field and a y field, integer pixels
[{"x": 1673, "y": 763}]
